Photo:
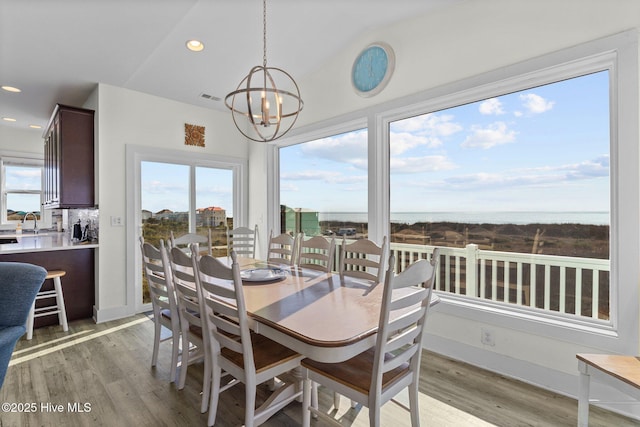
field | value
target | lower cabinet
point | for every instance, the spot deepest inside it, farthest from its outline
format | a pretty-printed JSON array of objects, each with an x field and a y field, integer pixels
[{"x": 78, "y": 285}]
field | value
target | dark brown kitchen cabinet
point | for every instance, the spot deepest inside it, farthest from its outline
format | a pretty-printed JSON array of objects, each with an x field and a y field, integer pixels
[{"x": 69, "y": 159}]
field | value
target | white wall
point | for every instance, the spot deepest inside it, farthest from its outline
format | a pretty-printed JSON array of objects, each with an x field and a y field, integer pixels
[
  {"x": 126, "y": 118},
  {"x": 21, "y": 140},
  {"x": 457, "y": 43}
]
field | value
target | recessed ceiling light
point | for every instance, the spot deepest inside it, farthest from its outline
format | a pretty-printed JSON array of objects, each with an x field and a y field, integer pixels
[
  {"x": 195, "y": 45},
  {"x": 11, "y": 89},
  {"x": 8, "y": 119},
  {"x": 35, "y": 126}
]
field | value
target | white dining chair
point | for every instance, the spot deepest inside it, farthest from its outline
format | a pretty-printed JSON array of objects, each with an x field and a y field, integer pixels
[
  {"x": 363, "y": 259},
  {"x": 194, "y": 343},
  {"x": 242, "y": 240},
  {"x": 248, "y": 357},
  {"x": 157, "y": 272},
  {"x": 184, "y": 240},
  {"x": 376, "y": 376},
  {"x": 282, "y": 249},
  {"x": 316, "y": 253}
]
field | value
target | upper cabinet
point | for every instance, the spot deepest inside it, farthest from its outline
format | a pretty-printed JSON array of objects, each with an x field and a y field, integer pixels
[{"x": 69, "y": 159}]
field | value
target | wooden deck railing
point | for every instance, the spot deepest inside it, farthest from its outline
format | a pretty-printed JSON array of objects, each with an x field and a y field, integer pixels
[{"x": 561, "y": 284}]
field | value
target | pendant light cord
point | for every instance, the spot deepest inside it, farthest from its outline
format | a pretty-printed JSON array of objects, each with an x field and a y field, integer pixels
[{"x": 264, "y": 33}]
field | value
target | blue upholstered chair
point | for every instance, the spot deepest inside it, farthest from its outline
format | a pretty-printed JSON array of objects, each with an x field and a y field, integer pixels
[{"x": 19, "y": 284}]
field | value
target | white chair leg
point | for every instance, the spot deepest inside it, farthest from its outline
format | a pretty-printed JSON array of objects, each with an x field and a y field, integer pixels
[
  {"x": 206, "y": 383},
  {"x": 413, "y": 404},
  {"x": 336, "y": 400},
  {"x": 306, "y": 401},
  {"x": 250, "y": 402},
  {"x": 156, "y": 340},
  {"x": 30, "y": 318},
  {"x": 216, "y": 377},
  {"x": 62, "y": 313},
  {"x": 175, "y": 353}
]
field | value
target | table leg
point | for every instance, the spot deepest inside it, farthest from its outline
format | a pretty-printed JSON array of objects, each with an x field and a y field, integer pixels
[{"x": 583, "y": 396}]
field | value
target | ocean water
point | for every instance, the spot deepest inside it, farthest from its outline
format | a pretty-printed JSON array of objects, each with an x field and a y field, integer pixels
[{"x": 593, "y": 218}]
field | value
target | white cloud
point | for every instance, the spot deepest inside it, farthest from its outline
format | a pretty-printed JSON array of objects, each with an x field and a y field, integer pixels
[
  {"x": 530, "y": 177},
  {"x": 535, "y": 104},
  {"x": 400, "y": 142},
  {"x": 350, "y": 148},
  {"x": 495, "y": 134},
  {"x": 420, "y": 164},
  {"x": 431, "y": 125},
  {"x": 491, "y": 106}
]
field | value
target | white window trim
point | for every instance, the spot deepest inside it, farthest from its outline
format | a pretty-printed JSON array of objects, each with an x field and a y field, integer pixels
[
  {"x": 135, "y": 155},
  {"x": 26, "y": 159},
  {"x": 619, "y": 54}
]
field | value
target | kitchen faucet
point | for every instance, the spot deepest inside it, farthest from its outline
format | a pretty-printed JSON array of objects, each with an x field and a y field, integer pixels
[{"x": 35, "y": 221}]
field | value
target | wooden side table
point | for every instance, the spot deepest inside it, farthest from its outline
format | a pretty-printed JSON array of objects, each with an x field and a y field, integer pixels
[{"x": 622, "y": 372}]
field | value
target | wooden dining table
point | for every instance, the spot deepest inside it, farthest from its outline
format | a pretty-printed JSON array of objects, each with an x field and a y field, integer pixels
[{"x": 320, "y": 315}]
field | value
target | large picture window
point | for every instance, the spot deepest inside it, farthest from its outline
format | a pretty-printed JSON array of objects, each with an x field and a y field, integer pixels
[
  {"x": 323, "y": 186},
  {"x": 525, "y": 172}
]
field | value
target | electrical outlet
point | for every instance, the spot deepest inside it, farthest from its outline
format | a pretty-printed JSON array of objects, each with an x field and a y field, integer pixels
[
  {"x": 116, "y": 221},
  {"x": 486, "y": 337}
]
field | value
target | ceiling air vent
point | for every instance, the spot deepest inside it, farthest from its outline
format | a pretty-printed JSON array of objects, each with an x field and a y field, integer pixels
[{"x": 210, "y": 97}]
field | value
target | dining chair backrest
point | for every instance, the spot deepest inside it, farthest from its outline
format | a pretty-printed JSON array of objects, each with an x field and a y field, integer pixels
[
  {"x": 246, "y": 356},
  {"x": 191, "y": 323},
  {"x": 157, "y": 271},
  {"x": 317, "y": 253},
  {"x": 242, "y": 240},
  {"x": 363, "y": 259},
  {"x": 187, "y": 239},
  {"x": 282, "y": 249},
  {"x": 405, "y": 304},
  {"x": 227, "y": 322}
]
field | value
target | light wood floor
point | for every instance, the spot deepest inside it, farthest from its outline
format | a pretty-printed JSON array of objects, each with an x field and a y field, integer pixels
[{"x": 107, "y": 367}]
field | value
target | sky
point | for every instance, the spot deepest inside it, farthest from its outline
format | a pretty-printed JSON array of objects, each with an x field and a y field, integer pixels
[
  {"x": 541, "y": 149},
  {"x": 166, "y": 186}
]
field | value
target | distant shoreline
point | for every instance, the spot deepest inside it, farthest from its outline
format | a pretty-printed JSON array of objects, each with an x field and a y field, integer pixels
[
  {"x": 563, "y": 239},
  {"x": 488, "y": 217}
]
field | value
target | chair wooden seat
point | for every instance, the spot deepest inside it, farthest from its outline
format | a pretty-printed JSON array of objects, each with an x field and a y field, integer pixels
[
  {"x": 266, "y": 353},
  {"x": 357, "y": 371}
]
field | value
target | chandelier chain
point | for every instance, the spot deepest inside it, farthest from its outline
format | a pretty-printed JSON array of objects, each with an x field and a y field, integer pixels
[{"x": 264, "y": 33}]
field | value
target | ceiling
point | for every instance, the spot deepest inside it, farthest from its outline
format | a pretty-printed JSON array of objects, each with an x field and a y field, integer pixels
[{"x": 57, "y": 51}]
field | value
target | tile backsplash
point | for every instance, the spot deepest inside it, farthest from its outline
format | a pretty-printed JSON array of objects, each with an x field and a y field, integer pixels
[{"x": 87, "y": 218}]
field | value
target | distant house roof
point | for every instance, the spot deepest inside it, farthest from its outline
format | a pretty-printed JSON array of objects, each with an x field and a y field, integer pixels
[
  {"x": 164, "y": 211},
  {"x": 210, "y": 208}
]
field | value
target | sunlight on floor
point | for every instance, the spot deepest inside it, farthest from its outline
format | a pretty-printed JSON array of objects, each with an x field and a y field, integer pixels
[
  {"x": 75, "y": 339},
  {"x": 436, "y": 412}
]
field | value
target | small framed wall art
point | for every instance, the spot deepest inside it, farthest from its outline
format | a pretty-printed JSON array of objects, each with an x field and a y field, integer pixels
[{"x": 193, "y": 135}]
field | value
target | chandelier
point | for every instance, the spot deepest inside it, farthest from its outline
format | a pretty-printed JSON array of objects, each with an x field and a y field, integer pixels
[{"x": 267, "y": 101}]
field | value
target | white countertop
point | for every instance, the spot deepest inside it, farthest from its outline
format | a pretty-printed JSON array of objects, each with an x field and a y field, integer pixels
[{"x": 45, "y": 241}]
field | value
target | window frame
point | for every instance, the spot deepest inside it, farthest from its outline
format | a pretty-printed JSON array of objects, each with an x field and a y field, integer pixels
[
  {"x": 135, "y": 155},
  {"x": 619, "y": 55},
  {"x": 21, "y": 159}
]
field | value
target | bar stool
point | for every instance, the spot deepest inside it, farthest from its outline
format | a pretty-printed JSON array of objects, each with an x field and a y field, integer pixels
[{"x": 57, "y": 308}]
